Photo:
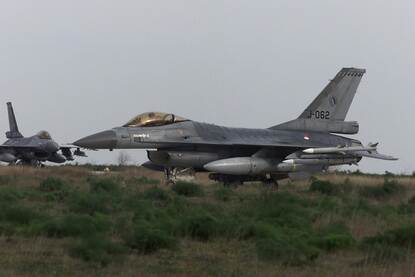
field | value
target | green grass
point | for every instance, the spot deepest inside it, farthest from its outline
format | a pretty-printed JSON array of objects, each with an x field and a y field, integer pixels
[
  {"x": 156, "y": 193},
  {"x": 387, "y": 189},
  {"x": 97, "y": 249},
  {"x": 224, "y": 194},
  {"x": 105, "y": 220},
  {"x": 390, "y": 245},
  {"x": 187, "y": 189}
]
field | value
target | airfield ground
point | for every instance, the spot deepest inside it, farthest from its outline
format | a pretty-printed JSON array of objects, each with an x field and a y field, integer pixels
[{"x": 74, "y": 221}]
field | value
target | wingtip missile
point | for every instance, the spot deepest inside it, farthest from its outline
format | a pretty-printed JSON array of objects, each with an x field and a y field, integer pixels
[
  {"x": 339, "y": 150},
  {"x": 309, "y": 151}
]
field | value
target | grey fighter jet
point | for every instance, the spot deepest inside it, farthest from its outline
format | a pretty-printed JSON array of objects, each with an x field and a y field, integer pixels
[
  {"x": 295, "y": 149},
  {"x": 32, "y": 150}
]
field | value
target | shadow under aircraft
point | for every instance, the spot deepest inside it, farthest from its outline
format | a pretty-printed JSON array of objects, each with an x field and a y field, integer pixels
[
  {"x": 295, "y": 149},
  {"x": 35, "y": 149}
]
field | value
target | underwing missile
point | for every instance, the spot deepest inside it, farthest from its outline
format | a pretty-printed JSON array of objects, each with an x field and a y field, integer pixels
[
  {"x": 326, "y": 162},
  {"x": 330, "y": 150}
]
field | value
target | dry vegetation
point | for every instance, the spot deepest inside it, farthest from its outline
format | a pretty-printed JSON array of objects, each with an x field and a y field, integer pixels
[{"x": 79, "y": 221}]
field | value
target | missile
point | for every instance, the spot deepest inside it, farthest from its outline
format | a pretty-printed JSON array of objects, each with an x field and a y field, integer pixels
[
  {"x": 342, "y": 150},
  {"x": 325, "y": 162}
]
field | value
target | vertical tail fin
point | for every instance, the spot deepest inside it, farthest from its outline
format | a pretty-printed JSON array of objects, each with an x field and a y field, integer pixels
[
  {"x": 334, "y": 101},
  {"x": 329, "y": 109},
  {"x": 14, "y": 130}
]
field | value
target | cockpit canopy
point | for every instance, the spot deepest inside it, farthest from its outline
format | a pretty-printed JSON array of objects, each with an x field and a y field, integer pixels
[
  {"x": 154, "y": 119},
  {"x": 44, "y": 135}
]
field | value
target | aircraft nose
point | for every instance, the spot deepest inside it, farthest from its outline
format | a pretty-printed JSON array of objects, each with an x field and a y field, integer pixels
[{"x": 101, "y": 140}]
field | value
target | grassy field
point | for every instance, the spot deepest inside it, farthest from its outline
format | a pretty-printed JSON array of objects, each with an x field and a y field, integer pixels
[{"x": 77, "y": 221}]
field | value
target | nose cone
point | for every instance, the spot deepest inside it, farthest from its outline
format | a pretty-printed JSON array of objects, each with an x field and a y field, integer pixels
[{"x": 101, "y": 140}]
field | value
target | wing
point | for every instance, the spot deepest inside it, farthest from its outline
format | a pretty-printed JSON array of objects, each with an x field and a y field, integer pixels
[
  {"x": 16, "y": 148},
  {"x": 376, "y": 155}
]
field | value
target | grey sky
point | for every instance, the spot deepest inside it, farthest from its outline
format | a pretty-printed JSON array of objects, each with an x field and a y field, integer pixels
[{"x": 77, "y": 67}]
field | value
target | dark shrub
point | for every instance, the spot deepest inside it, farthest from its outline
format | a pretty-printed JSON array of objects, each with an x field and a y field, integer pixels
[
  {"x": 345, "y": 188},
  {"x": 148, "y": 239},
  {"x": 324, "y": 187},
  {"x": 56, "y": 189},
  {"x": 187, "y": 189},
  {"x": 90, "y": 203},
  {"x": 77, "y": 225},
  {"x": 97, "y": 249},
  {"x": 52, "y": 184},
  {"x": 10, "y": 194},
  {"x": 223, "y": 194},
  {"x": 245, "y": 230},
  {"x": 333, "y": 237},
  {"x": 17, "y": 214},
  {"x": 282, "y": 209},
  {"x": 289, "y": 248},
  {"x": 145, "y": 180},
  {"x": 407, "y": 208},
  {"x": 156, "y": 193},
  {"x": 372, "y": 192},
  {"x": 285, "y": 252},
  {"x": 389, "y": 188},
  {"x": 200, "y": 226},
  {"x": 98, "y": 185},
  {"x": 394, "y": 244},
  {"x": 403, "y": 236}
]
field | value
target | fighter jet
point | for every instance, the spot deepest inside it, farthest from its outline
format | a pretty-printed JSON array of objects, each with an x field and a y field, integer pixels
[
  {"x": 297, "y": 149},
  {"x": 32, "y": 150}
]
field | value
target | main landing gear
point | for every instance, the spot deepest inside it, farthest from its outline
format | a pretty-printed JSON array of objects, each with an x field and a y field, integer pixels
[
  {"x": 236, "y": 180},
  {"x": 270, "y": 183},
  {"x": 32, "y": 163},
  {"x": 174, "y": 174}
]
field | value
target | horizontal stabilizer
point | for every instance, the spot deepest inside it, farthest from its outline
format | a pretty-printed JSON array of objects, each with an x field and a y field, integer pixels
[{"x": 376, "y": 155}]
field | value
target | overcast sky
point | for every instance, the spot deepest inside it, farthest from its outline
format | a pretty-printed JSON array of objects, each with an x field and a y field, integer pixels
[{"x": 78, "y": 67}]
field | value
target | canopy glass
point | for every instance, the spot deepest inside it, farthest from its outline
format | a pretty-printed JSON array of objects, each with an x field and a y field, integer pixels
[
  {"x": 154, "y": 119},
  {"x": 44, "y": 135}
]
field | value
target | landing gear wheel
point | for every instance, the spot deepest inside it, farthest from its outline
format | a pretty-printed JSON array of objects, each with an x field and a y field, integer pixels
[
  {"x": 173, "y": 174},
  {"x": 170, "y": 176},
  {"x": 169, "y": 183},
  {"x": 271, "y": 183}
]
